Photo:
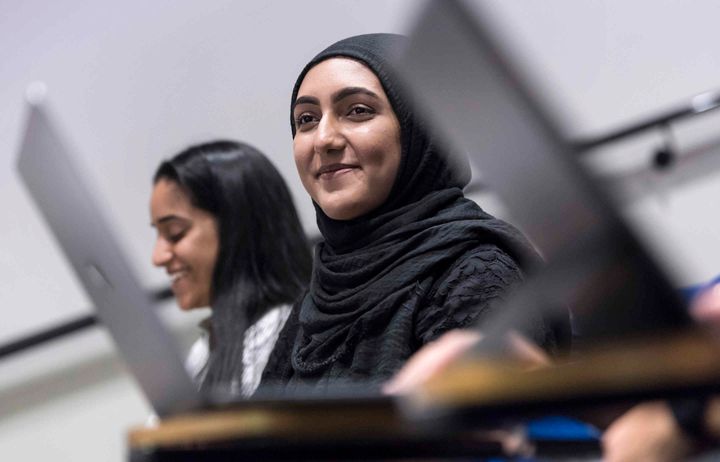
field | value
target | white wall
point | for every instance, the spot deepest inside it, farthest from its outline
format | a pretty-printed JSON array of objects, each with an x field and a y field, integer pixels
[
  {"x": 133, "y": 82},
  {"x": 604, "y": 64}
]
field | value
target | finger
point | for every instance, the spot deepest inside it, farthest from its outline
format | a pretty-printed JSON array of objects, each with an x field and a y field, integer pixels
[
  {"x": 432, "y": 359},
  {"x": 526, "y": 351}
]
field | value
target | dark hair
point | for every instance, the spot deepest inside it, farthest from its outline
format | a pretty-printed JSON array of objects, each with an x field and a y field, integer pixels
[{"x": 263, "y": 258}]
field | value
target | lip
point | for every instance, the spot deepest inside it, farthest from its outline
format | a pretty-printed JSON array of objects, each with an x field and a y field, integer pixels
[
  {"x": 177, "y": 275},
  {"x": 331, "y": 170}
]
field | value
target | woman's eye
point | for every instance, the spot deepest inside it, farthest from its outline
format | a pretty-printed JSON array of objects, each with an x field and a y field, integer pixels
[
  {"x": 360, "y": 111},
  {"x": 175, "y": 237},
  {"x": 304, "y": 119}
]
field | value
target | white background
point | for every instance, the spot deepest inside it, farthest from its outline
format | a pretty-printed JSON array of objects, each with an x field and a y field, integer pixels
[{"x": 133, "y": 82}]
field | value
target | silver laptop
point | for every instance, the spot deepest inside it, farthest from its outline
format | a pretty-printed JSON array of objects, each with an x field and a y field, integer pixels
[
  {"x": 464, "y": 81},
  {"x": 49, "y": 170}
]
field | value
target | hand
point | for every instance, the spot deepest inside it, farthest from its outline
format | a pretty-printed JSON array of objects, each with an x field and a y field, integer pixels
[
  {"x": 436, "y": 356},
  {"x": 526, "y": 353},
  {"x": 432, "y": 359},
  {"x": 646, "y": 433},
  {"x": 706, "y": 307}
]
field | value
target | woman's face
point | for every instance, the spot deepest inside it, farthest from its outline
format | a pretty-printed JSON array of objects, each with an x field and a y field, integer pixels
[
  {"x": 347, "y": 140},
  {"x": 186, "y": 245}
]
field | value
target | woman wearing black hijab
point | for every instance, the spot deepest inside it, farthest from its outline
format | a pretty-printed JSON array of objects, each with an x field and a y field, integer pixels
[{"x": 405, "y": 257}]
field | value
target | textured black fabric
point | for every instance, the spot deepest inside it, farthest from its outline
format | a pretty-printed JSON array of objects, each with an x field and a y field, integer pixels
[{"x": 428, "y": 260}]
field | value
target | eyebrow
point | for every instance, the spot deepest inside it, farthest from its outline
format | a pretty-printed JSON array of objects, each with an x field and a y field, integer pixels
[
  {"x": 349, "y": 91},
  {"x": 165, "y": 219},
  {"x": 306, "y": 100},
  {"x": 337, "y": 96}
]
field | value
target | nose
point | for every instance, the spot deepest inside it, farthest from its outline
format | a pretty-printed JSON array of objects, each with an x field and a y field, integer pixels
[
  {"x": 328, "y": 136},
  {"x": 162, "y": 253}
]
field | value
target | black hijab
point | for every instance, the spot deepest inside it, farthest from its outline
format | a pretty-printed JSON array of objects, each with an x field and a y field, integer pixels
[{"x": 368, "y": 268}]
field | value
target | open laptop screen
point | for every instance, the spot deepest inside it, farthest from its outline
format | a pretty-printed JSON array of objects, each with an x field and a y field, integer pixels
[
  {"x": 55, "y": 182},
  {"x": 466, "y": 85}
]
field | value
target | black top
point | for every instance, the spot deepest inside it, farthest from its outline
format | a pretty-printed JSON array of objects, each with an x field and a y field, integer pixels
[{"x": 426, "y": 261}]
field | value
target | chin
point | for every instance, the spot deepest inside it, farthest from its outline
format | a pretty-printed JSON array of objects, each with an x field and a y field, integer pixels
[
  {"x": 341, "y": 216},
  {"x": 186, "y": 305},
  {"x": 342, "y": 213},
  {"x": 342, "y": 210}
]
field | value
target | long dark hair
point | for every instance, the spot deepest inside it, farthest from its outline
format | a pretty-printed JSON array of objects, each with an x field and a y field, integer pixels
[{"x": 263, "y": 258}]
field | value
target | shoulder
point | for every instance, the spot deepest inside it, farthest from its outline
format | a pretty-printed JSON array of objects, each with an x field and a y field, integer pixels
[
  {"x": 274, "y": 318},
  {"x": 197, "y": 357},
  {"x": 487, "y": 269},
  {"x": 264, "y": 332},
  {"x": 467, "y": 291},
  {"x": 278, "y": 368}
]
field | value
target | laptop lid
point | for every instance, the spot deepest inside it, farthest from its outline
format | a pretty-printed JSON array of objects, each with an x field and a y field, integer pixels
[
  {"x": 466, "y": 85},
  {"x": 53, "y": 178}
]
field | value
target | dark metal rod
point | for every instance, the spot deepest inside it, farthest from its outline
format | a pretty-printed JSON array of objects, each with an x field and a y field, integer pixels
[
  {"x": 63, "y": 329},
  {"x": 699, "y": 104},
  {"x": 46, "y": 335}
]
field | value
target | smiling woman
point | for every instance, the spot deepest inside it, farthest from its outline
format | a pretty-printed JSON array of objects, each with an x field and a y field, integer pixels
[
  {"x": 186, "y": 245},
  {"x": 405, "y": 257},
  {"x": 222, "y": 249},
  {"x": 347, "y": 144}
]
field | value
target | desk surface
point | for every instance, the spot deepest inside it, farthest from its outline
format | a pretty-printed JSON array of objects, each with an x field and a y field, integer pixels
[
  {"x": 313, "y": 432},
  {"x": 434, "y": 421},
  {"x": 641, "y": 368}
]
